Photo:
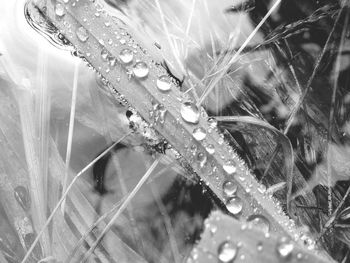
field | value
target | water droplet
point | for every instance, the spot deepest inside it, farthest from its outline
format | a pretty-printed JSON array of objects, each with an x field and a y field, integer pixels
[
  {"x": 164, "y": 83},
  {"x": 82, "y": 34},
  {"x": 162, "y": 112},
  {"x": 22, "y": 197},
  {"x": 194, "y": 254},
  {"x": 193, "y": 149},
  {"x": 260, "y": 246},
  {"x": 212, "y": 122},
  {"x": 189, "y": 112},
  {"x": 229, "y": 188},
  {"x": 201, "y": 159},
  {"x": 210, "y": 149},
  {"x": 104, "y": 54},
  {"x": 284, "y": 248},
  {"x": 234, "y": 205},
  {"x": 229, "y": 167},
  {"x": 112, "y": 61},
  {"x": 227, "y": 252},
  {"x": 126, "y": 55},
  {"x": 260, "y": 222},
  {"x": 60, "y": 9},
  {"x": 140, "y": 70},
  {"x": 213, "y": 229},
  {"x": 158, "y": 113},
  {"x": 199, "y": 133}
]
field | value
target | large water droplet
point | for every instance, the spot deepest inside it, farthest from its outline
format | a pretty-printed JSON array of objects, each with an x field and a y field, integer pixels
[
  {"x": 164, "y": 83},
  {"x": 229, "y": 167},
  {"x": 260, "y": 222},
  {"x": 199, "y": 133},
  {"x": 234, "y": 205},
  {"x": 140, "y": 70},
  {"x": 60, "y": 9},
  {"x": 190, "y": 112},
  {"x": 227, "y": 252},
  {"x": 126, "y": 55},
  {"x": 82, "y": 34},
  {"x": 229, "y": 188},
  {"x": 284, "y": 248}
]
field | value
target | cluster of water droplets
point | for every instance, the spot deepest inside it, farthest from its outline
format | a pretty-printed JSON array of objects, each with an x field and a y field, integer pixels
[
  {"x": 202, "y": 149},
  {"x": 158, "y": 113},
  {"x": 140, "y": 69},
  {"x": 226, "y": 248}
]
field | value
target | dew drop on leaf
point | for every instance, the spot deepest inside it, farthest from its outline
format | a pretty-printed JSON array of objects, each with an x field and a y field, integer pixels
[
  {"x": 284, "y": 248},
  {"x": 199, "y": 133},
  {"x": 234, "y": 205},
  {"x": 210, "y": 149},
  {"x": 104, "y": 54},
  {"x": 60, "y": 10},
  {"x": 260, "y": 222},
  {"x": 229, "y": 167},
  {"x": 112, "y": 61},
  {"x": 212, "y": 122},
  {"x": 82, "y": 34},
  {"x": 190, "y": 112},
  {"x": 164, "y": 83},
  {"x": 140, "y": 70},
  {"x": 227, "y": 252},
  {"x": 201, "y": 159},
  {"x": 126, "y": 55},
  {"x": 229, "y": 188}
]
